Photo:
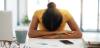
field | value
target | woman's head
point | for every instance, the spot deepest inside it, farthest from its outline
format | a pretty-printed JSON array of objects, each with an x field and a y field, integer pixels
[
  {"x": 52, "y": 18},
  {"x": 51, "y": 5}
]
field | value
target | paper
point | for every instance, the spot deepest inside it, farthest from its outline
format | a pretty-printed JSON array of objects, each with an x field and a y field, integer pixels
[
  {"x": 52, "y": 44},
  {"x": 56, "y": 44}
]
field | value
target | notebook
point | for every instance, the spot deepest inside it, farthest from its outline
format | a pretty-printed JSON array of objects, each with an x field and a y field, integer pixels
[{"x": 91, "y": 39}]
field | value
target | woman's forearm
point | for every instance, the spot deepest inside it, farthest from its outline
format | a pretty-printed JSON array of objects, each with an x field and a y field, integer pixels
[
  {"x": 36, "y": 33},
  {"x": 76, "y": 34}
]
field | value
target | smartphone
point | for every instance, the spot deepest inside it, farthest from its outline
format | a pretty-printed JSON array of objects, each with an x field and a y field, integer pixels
[{"x": 66, "y": 42}]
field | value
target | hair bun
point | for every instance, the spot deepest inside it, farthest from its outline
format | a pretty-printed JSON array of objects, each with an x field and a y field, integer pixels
[{"x": 51, "y": 5}]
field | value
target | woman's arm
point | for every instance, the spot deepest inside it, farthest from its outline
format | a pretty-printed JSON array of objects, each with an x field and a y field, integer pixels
[
  {"x": 73, "y": 26},
  {"x": 57, "y": 36},
  {"x": 33, "y": 32}
]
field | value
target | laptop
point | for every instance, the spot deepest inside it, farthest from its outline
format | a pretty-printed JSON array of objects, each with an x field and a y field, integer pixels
[{"x": 6, "y": 25}]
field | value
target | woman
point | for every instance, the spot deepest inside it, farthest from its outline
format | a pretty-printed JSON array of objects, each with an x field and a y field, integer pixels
[{"x": 52, "y": 22}]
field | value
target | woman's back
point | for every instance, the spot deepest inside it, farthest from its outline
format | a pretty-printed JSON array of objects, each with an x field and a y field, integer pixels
[{"x": 65, "y": 14}]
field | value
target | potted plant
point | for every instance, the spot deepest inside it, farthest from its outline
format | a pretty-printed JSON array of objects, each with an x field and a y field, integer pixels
[{"x": 25, "y": 20}]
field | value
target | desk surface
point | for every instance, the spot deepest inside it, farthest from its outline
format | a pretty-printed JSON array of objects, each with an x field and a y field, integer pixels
[
  {"x": 78, "y": 43},
  {"x": 55, "y": 43},
  {"x": 52, "y": 43}
]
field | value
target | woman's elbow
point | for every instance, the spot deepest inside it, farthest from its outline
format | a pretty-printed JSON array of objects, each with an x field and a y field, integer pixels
[
  {"x": 80, "y": 35},
  {"x": 29, "y": 35}
]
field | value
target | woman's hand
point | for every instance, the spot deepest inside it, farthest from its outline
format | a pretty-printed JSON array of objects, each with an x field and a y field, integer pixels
[
  {"x": 65, "y": 32},
  {"x": 48, "y": 37}
]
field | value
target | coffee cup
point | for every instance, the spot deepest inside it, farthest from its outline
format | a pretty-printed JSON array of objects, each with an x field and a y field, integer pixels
[{"x": 21, "y": 36}]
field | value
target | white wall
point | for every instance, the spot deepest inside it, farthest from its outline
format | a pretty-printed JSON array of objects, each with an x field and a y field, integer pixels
[{"x": 11, "y": 5}]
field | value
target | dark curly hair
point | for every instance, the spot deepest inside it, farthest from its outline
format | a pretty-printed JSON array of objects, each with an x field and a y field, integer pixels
[{"x": 52, "y": 17}]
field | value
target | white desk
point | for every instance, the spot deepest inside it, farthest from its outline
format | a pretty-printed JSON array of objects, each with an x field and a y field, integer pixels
[
  {"x": 92, "y": 34},
  {"x": 30, "y": 42},
  {"x": 78, "y": 43},
  {"x": 56, "y": 44}
]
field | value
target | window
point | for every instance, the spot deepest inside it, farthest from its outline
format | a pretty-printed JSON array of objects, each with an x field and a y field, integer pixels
[
  {"x": 99, "y": 15},
  {"x": 90, "y": 15},
  {"x": 1, "y": 4}
]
